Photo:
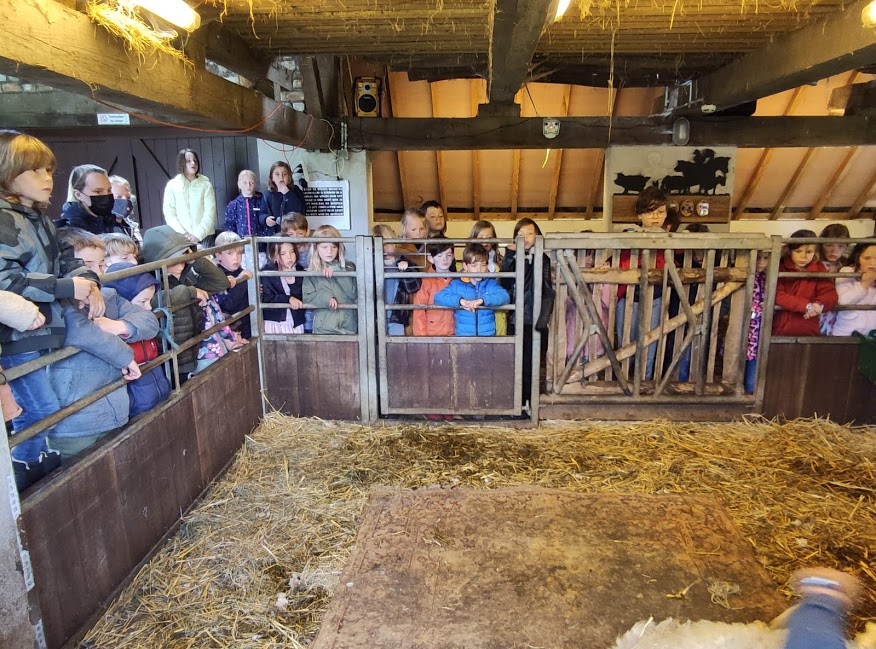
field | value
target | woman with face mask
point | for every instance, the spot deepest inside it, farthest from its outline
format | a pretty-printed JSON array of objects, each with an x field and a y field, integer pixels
[{"x": 90, "y": 201}]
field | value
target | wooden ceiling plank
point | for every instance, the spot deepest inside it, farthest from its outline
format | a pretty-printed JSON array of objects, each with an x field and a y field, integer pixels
[
  {"x": 838, "y": 174},
  {"x": 45, "y": 45},
  {"x": 509, "y": 132},
  {"x": 764, "y": 160},
  {"x": 558, "y": 160},
  {"x": 866, "y": 194},
  {"x": 779, "y": 207},
  {"x": 439, "y": 158},
  {"x": 515, "y": 30},
  {"x": 599, "y": 177},
  {"x": 475, "y": 89},
  {"x": 815, "y": 52},
  {"x": 515, "y": 183},
  {"x": 400, "y": 155},
  {"x": 230, "y": 51}
]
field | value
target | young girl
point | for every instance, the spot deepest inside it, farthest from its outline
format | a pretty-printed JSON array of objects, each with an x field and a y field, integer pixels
[
  {"x": 754, "y": 325},
  {"x": 243, "y": 216},
  {"x": 529, "y": 230},
  {"x": 283, "y": 290},
  {"x": 413, "y": 226},
  {"x": 33, "y": 265},
  {"x": 833, "y": 257},
  {"x": 485, "y": 230},
  {"x": 857, "y": 291},
  {"x": 396, "y": 290},
  {"x": 283, "y": 196},
  {"x": 189, "y": 200},
  {"x": 90, "y": 201},
  {"x": 328, "y": 292},
  {"x": 802, "y": 299}
]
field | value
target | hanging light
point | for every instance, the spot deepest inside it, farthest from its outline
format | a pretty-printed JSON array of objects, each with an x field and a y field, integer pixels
[
  {"x": 868, "y": 15},
  {"x": 564, "y": 4},
  {"x": 175, "y": 12}
]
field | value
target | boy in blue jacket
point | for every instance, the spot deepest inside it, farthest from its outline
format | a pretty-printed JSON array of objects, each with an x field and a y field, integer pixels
[{"x": 467, "y": 294}]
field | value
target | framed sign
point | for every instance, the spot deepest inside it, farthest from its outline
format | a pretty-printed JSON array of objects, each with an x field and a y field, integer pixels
[{"x": 328, "y": 203}]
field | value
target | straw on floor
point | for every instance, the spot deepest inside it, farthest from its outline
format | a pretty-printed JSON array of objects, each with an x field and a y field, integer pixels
[{"x": 254, "y": 564}]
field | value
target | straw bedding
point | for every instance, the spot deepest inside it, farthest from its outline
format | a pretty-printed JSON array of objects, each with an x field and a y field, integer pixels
[{"x": 254, "y": 564}]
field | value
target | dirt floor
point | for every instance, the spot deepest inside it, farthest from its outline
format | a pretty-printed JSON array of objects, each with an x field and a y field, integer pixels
[{"x": 255, "y": 564}]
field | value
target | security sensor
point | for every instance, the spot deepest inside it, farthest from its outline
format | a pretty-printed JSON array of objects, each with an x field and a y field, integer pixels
[{"x": 708, "y": 108}]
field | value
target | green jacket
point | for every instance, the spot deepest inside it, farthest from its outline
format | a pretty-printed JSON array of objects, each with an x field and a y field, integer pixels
[{"x": 319, "y": 290}]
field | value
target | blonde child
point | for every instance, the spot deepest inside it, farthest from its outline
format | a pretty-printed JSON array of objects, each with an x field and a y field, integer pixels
[
  {"x": 858, "y": 292},
  {"x": 119, "y": 249},
  {"x": 485, "y": 230},
  {"x": 833, "y": 257},
  {"x": 802, "y": 299},
  {"x": 295, "y": 224},
  {"x": 33, "y": 266},
  {"x": 435, "y": 322},
  {"x": 396, "y": 290},
  {"x": 327, "y": 293},
  {"x": 283, "y": 290},
  {"x": 244, "y": 215},
  {"x": 413, "y": 226},
  {"x": 236, "y": 297}
]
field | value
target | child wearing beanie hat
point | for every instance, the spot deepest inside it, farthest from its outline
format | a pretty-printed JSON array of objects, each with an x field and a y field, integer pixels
[{"x": 152, "y": 387}]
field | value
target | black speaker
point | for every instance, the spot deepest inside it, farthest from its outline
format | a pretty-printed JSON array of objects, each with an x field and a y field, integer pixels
[{"x": 367, "y": 99}]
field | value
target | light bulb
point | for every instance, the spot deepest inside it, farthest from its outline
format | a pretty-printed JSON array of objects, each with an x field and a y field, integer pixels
[
  {"x": 868, "y": 15},
  {"x": 564, "y": 4},
  {"x": 176, "y": 12}
]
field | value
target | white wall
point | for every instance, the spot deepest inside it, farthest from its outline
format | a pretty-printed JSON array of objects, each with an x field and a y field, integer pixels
[{"x": 325, "y": 166}]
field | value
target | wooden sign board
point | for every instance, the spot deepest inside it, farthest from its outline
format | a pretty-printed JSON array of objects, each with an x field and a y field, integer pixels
[{"x": 623, "y": 208}]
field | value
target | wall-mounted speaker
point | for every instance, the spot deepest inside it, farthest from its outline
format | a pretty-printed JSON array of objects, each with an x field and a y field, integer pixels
[{"x": 367, "y": 99}]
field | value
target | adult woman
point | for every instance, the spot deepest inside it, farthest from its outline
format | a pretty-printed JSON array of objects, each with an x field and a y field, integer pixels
[
  {"x": 90, "y": 200},
  {"x": 189, "y": 200}
]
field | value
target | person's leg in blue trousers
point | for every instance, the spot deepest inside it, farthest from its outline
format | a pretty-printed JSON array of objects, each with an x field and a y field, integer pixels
[{"x": 35, "y": 395}]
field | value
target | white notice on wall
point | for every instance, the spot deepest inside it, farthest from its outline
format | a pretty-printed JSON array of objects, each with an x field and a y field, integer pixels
[
  {"x": 113, "y": 119},
  {"x": 328, "y": 203}
]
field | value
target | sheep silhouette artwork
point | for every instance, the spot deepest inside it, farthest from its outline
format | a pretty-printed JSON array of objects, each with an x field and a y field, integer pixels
[
  {"x": 705, "y": 172},
  {"x": 631, "y": 184}
]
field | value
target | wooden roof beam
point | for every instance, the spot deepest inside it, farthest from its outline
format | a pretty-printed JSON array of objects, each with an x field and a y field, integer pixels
[
  {"x": 44, "y": 45},
  {"x": 866, "y": 194},
  {"x": 319, "y": 80},
  {"x": 515, "y": 30},
  {"x": 815, "y": 52},
  {"x": 439, "y": 159},
  {"x": 475, "y": 88},
  {"x": 835, "y": 179},
  {"x": 558, "y": 161}
]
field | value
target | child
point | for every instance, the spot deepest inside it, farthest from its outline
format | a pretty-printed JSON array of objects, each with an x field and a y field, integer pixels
[
  {"x": 485, "y": 230},
  {"x": 152, "y": 387},
  {"x": 189, "y": 200},
  {"x": 529, "y": 230},
  {"x": 436, "y": 223},
  {"x": 802, "y": 299},
  {"x": 413, "y": 226},
  {"x": 467, "y": 294},
  {"x": 283, "y": 290},
  {"x": 328, "y": 292},
  {"x": 119, "y": 248},
  {"x": 191, "y": 284},
  {"x": 295, "y": 225},
  {"x": 435, "y": 322},
  {"x": 754, "y": 324},
  {"x": 833, "y": 257},
  {"x": 86, "y": 246},
  {"x": 283, "y": 195},
  {"x": 33, "y": 266},
  {"x": 857, "y": 291},
  {"x": 123, "y": 208},
  {"x": 244, "y": 215},
  {"x": 236, "y": 298},
  {"x": 396, "y": 290}
]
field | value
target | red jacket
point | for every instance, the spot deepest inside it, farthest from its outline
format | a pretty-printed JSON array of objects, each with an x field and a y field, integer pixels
[{"x": 793, "y": 294}]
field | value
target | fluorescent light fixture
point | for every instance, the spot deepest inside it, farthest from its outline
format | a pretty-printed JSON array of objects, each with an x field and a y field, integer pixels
[
  {"x": 564, "y": 4},
  {"x": 868, "y": 15},
  {"x": 175, "y": 12}
]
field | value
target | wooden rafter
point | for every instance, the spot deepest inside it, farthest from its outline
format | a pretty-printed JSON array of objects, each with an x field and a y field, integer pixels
[
  {"x": 865, "y": 195},
  {"x": 475, "y": 88},
  {"x": 558, "y": 160},
  {"x": 838, "y": 174},
  {"x": 779, "y": 207},
  {"x": 764, "y": 159},
  {"x": 599, "y": 176},
  {"x": 439, "y": 158},
  {"x": 45, "y": 42},
  {"x": 400, "y": 155}
]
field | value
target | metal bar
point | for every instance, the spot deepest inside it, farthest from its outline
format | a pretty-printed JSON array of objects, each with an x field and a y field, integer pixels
[
  {"x": 641, "y": 357},
  {"x": 676, "y": 399},
  {"x": 302, "y": 339},
  {"x": 382, "y": 337},
  {"x": 164, "y": 296},
  {"x": 746, "y": 324},
  {"x": 429, "y": 340},
  {"x": 38, "y": 363},
  {"x": 364, "y": 287},
  {"x": 668, "y": 260},
  {"x": 312, "y": 307},
  {"x": 766, "y": 323},
  {"x": 519, "y": 261},
  {"x": 707, "y": 320},
  {"x": 537, "y": 265},
  {"x": 256, "y": 323}
]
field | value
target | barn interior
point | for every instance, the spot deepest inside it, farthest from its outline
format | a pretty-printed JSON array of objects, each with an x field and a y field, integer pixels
[{"x": 449, "y": 100}]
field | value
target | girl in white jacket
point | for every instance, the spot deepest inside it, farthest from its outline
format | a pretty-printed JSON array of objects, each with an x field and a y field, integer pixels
[
  {"x": 860, "y": 292},
  {"x": 189, "y": 200}
]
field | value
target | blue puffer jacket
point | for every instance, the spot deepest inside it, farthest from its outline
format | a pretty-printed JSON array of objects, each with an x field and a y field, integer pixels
[
  {"x": 245, "y": 216},
  {"x": 148, "y": 391},
  {"x": 99, "y": 363},
  {"x": 483, "y": 321}
]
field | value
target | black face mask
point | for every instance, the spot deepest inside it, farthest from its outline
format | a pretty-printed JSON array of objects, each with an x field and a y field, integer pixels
[
  {"x": 102, "y": 205},
  {"x": 122, "y": 207}
]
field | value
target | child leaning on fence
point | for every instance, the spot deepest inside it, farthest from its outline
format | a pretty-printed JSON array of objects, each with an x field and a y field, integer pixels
[
  {"x": 469, "y": 296},
  {"x": 283, "y": 290},
  {"x": 803, "y": 299},
  {"x": 327, "y": 293},
  {"x": 435, "y": 322},
  {"x": 236, "y": 297},
  {"x": 396, "y": 290},
  {"x": 859, "y": 292}
]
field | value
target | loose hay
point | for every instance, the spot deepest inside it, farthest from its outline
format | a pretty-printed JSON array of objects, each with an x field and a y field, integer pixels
[{"x": 255, "y": 563}]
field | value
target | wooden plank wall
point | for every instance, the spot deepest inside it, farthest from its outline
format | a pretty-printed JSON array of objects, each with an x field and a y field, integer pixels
[
  {"x": 149, "y": 162},
  {"x": 809, "y": 379},
  {"x": 89, "y": 528},
  {"x": 313, "y": 378},
  {"x": 461, "y": 376}
]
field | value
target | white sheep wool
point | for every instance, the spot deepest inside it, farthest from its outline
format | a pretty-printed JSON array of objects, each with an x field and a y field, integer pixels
[{"x": 673, "y": 634}]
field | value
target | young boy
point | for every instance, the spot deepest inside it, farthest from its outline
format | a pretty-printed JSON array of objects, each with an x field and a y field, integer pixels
[
  {"x": 190, "y": 285},
  {"x": 152, "y": 387},
  {"x": 104, "y": 355},
  {"x": 435, "y": 322},
  {"x": 396, "y": 290},
  {"x": 294, "y": 224},
  {"x": 119, "y": 248},
  {"x": 468, "y": 294},
  {"x": 236, "y": 298}
]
